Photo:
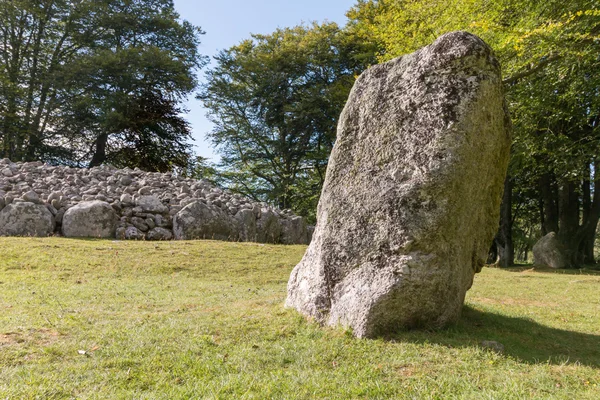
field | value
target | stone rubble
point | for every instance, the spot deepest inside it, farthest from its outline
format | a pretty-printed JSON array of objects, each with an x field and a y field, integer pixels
[{"x": 37, "y": 199}]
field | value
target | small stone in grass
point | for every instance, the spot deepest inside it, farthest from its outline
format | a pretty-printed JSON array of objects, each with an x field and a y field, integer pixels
[{"x": 493, "y": 346}]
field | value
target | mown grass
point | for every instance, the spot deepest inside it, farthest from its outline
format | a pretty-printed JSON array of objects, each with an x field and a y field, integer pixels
[{"x": 91, "y": 319}]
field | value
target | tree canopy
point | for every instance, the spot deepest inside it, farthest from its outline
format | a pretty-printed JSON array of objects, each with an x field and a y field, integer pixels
[
  {"x": 275, "y": 101},
  {"x": 93, "y": 81}
]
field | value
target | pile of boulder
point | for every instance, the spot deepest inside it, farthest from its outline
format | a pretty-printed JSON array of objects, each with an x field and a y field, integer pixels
[{"x": 103, "y": 202}]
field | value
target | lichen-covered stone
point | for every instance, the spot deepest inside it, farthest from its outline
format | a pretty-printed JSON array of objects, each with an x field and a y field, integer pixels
[
  {"x": 151, "y": 204},
  {"x": 268, "y": 227},
  {"x": 412, "y": 194},
  {"x": 26, "y": 219},
  {"x": 95, "y": 219}
]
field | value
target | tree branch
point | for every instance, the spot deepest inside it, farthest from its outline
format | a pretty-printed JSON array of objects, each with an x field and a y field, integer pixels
[{"x": 532, "y": 70}]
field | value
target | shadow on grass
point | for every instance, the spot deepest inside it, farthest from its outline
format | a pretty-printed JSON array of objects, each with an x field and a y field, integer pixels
[
  {"x": 586, "y": 270},
  {"x": 523, "y": 339}
]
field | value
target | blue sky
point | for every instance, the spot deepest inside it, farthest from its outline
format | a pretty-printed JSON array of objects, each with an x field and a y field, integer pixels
[{"x": 227, "y": 22}]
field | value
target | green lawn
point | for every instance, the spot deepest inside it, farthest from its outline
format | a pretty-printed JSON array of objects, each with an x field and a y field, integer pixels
[{"x": 178, "y": 320}]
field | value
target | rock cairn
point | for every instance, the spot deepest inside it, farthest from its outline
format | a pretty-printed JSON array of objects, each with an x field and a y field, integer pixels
[
  {"x": 412, "y": 194},
  {"x": 40, "y": 200}
]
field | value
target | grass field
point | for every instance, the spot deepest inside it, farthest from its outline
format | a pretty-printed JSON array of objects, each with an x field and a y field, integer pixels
[{"x": 92, "y": 319}]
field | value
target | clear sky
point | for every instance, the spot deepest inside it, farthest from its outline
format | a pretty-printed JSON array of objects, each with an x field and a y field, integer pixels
[{"x": 227, "y": 22}]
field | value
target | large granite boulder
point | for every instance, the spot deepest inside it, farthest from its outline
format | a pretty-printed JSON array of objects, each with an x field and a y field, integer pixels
[
  {"x": 95, "y": 219},
  {"x": 202, "y": 221},
  {"x": 26, "y": 219},
  {"x": 549, "y": 252},
  {"x": 412, "y": 194}
]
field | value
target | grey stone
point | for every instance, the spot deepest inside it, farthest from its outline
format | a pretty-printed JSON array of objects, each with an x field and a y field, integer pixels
[
  {"x": 201, "y": 221},
  {"x": 140, "y": 223},
  {"x": 54, "y": 196},
  {"x": 26, "y": 219},
  {"x": 159, "y": 234},
  {"x": 90, "y": 219},
  {"x": 126, "y": 199},
  {"x": 59, "y": 215},
  {"x": 412, "y": 193},
  {"x": 145, "y": 190},
  {"x": 549, "y": 252},
  {"x": 133, "y": 233},
  {"x": 294, "y": 231},
  {"x": 246, "y": 225},
  {"x": 126, "y": 180},
  {"x": 150, "y": 222},
  {"x": 268, "y": 227},
  {"x": 131, "y": 193},
  {"x": 31, "y": 197},
  {"x": 120, "y": 233},
  {"x": 151, "y": 204}
]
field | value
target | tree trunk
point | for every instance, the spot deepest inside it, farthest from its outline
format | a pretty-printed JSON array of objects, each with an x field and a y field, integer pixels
[
  {"x": 549, "y": 204},
  {"x": 493, "y": 253},
  {"x": 502, "y": 252},
  {"x": 504, "y": 242},
  {"x": 586, "y": 249},
  {"x": 591, "y": 215},
  {"x": 569, "y": 234},
  {"x": 99, "y": 151}
]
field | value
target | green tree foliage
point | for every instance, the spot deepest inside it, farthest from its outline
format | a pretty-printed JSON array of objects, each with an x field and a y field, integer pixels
[
  {"x": 549, "y": 53},
  {"x": 275, "y": 101},
  {"x": 95, "y": 81}
]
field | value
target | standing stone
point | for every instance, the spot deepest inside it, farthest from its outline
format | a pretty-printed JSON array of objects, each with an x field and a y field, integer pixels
[
  {"x": 95, "y": 219},
  {"x": 412, "y": 194},
  {"x": 26, "y": 219},
  {"x": 548, "y": 252}
]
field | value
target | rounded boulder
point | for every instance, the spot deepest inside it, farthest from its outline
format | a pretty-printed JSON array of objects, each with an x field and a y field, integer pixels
[
  {"x": 90, "y": 219},
  {"x": 26, "y": 219}
]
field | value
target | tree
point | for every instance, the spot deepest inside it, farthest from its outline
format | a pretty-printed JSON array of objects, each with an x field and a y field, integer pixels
[
  {"x": 275, "y": 101},
  {"x": 104, "y": 81}
]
